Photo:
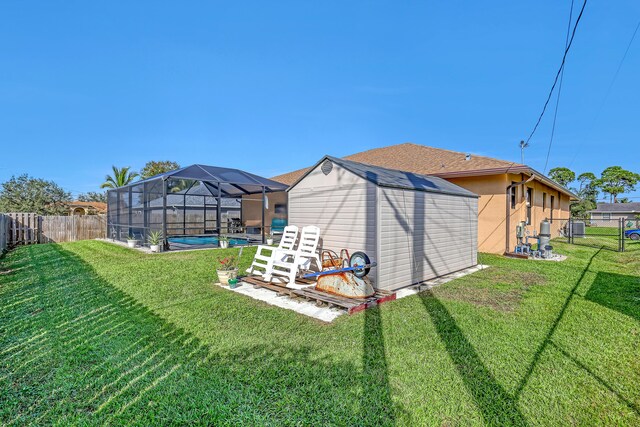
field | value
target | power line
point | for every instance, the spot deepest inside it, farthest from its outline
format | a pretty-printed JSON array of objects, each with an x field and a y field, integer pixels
[
  {"x": 555, "y": 114},
  {"x": 615, "y": 76},
  {"x": 555, "y": 82},
  {"x": 613, "y": 80}
]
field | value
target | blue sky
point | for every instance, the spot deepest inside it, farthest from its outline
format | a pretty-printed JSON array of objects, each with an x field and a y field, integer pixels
[{"x": 272, "y": 86}]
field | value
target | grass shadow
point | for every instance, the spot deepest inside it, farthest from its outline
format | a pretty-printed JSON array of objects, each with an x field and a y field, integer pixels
[
  {"x": 554, "y": 326},
  {"x": 376, "y": 399},
  {"x": 617, "y": 292},
  {"x": 74, "y": 349},
  {"x": 598, "y": 378},
  {"x": 496, "y": 405}
]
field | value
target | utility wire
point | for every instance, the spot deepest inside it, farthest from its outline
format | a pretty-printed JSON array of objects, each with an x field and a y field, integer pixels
[
  {"x": 613, "y": 80},
  {"x": 555, "y": 114},
  {"x": 615, "y": 76},
  {"x": 555, "y": 82}
]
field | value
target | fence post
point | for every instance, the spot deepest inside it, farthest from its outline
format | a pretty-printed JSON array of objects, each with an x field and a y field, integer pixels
[
  {"x": 621, "y": 229},
  {"x": 619, "y": 235},
  {"x": 571, "y": 231}
]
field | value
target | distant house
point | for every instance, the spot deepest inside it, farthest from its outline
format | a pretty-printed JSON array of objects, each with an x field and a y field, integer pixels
[
  {"x": 86, "y": 208},
  {"x": 509, "y": 192},
  {"x": 609, "y": 214}
]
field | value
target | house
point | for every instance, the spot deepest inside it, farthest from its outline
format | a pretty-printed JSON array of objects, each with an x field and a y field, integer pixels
[
  {"x": 509, "y": 192},
  {"x": 86, "y": 208},
  {"x": 609, "y": 214},
  {"x": 416, "y": 227}
]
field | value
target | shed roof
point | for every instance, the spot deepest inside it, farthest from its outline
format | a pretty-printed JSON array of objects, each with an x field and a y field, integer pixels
[{"x": 393, "y": 178}]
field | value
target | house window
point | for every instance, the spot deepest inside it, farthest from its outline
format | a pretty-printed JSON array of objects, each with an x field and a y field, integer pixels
[
  {"x": 606, "y": 216},
  {"x": 514, "y": 191},
  {"x": 544, "y": 202},
  {"x": 551, "y": 205},
  {"x": 529, "y": 204}
]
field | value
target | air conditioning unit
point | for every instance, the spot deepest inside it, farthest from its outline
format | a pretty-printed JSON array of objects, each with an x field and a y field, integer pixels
[{"x": 578, "y": 229}]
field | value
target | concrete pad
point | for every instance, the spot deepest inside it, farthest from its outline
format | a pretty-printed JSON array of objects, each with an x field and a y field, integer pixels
[
  {"x": 298, "y": 305},
  {"x": 412, "y": 290},
  {"x": 144, "y": 249},
  {"x": 330, "y": 314}
]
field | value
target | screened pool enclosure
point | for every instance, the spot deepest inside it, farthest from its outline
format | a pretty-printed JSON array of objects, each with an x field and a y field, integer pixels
[{"x": 196, "y": 200}]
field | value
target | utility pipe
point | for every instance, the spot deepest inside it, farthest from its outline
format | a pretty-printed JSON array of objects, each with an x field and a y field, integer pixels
[{"x": 508, "y": 199}]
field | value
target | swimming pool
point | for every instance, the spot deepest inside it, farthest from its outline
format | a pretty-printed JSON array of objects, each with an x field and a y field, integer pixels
[{"x": 205, "y": 240}]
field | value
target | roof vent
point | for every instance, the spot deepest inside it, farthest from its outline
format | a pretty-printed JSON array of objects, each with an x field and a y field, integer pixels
[
  {"x": 327, "y": 167},
  {"x": 467, "y": 157}
]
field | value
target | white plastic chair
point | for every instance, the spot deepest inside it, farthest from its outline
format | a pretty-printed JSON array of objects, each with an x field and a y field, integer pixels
[
  {"x": 265, "y": 255},
  {"x": 289, "y": 263}
]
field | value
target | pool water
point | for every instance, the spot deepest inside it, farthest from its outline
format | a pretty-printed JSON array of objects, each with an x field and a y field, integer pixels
[{"x": 196, "y": 240}]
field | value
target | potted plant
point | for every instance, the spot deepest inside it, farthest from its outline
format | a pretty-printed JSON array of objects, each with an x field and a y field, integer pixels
[
  {"x": 223, "y": 241},
  {"x": 227, "y": 269},
  {"x": 154, "y": 241},
  {"x": 131, "y": 241},
  {"x": 270, "y": 240}
]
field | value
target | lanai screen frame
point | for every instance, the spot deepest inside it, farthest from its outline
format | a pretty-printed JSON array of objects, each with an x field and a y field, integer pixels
[{"x": 132, "y": 209}]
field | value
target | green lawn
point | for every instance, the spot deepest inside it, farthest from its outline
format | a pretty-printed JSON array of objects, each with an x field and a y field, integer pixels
[
  {"x": 92, "y": 333},
  {"x": 607, "y": 237}
]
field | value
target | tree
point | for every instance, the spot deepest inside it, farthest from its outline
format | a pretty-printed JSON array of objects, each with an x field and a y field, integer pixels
[
  {"x": 615, "y": 180},
  {"x": 588, "y": 193},
  {"x": 586, "y": 179},
  {"x": 581, "y": 209},
  {"x": 154, "y": 168},
  {"x": 120, "y": 178},
  {"x": 623, "y": 200},
  {"x": 93, "y": 196},
  {"x": 563, "y": 176},
  {"x": 588, "y": 196},
  {"x": 27, "y": 194}
]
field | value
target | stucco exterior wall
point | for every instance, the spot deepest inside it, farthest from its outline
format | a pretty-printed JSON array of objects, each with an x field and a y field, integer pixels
[{"x": 492, "y": 208}]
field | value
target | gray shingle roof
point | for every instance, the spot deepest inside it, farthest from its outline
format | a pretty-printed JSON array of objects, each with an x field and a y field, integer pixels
[{"x": 618, "y": 207}]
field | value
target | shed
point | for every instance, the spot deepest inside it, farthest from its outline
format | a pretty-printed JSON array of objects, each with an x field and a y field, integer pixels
[{"x": 416, "y": 227}]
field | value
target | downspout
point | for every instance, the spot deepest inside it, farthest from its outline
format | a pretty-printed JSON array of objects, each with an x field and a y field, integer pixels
[{"x": 508, "y": 205}]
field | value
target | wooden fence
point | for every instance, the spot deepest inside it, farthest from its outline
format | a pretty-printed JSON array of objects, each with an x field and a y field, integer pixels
[
  {"x": 4, "y": 233},
  {"x": 24, "y": 228},
  {"x": 30, "y": 228},
  {"x": 72, "y": 228}
]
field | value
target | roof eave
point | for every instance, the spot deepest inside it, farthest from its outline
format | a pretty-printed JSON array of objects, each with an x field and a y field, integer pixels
[
  {"x": 502, "y": 170},
  {"x": 553, "y": 184}
]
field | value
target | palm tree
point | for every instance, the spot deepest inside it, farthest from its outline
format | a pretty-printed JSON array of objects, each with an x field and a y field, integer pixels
[{"x": 120, "y": 178}]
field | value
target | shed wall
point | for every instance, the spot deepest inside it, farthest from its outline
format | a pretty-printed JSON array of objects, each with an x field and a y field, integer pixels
[
  {"x": 424, "y": 235},
  {"x": 343, "y": 205}
]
